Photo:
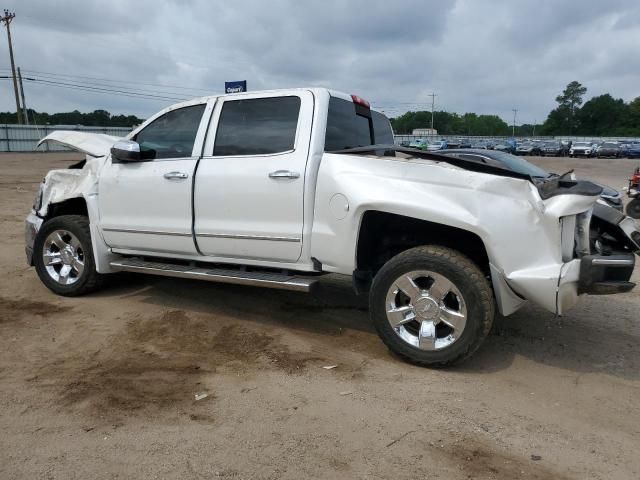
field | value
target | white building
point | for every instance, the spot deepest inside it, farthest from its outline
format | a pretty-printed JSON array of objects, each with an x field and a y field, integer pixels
[{"x": 425, "y": 131}]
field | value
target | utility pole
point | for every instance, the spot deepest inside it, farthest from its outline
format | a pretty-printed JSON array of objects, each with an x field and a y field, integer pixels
[
  {"x": 433, "y": 103},
  {"x": 513, "y": 131},
  {"x": 7, "y": 19},
  {"x": 24, "y": 104}
]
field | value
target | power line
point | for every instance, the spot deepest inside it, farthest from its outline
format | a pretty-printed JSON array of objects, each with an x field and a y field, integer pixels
[
  {"x": 111, "y": 80},
  {"x": 109, "y": 85},
  {"x": 105, "y": 90},
  {"x": 124, "y": 93}
]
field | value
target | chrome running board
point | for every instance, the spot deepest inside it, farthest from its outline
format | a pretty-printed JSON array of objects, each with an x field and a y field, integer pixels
[{"x": 260, "y": 279}]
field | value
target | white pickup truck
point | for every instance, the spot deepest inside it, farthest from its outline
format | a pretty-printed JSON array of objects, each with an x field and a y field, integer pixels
[{"x": 278, "y": 188}]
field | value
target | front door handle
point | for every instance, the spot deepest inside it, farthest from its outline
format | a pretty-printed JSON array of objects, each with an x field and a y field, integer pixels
[
  {"x": 176, "y": 175},
  {"x": 284, "y": 174}
]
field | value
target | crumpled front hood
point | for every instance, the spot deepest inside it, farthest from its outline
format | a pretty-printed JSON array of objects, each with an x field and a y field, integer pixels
[
  {"x": 94, "y": 144},
  {"x": 63, "y": 184}
]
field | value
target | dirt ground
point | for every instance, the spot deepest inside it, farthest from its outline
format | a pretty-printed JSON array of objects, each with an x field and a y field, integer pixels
[{"x": 104, "y": 386}]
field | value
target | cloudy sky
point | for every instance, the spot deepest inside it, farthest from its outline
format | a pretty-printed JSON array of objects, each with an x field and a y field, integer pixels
[{"x": 476, "y": 55}]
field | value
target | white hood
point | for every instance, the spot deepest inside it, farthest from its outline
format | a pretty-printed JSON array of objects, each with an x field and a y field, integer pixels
[{"x": 94, "y": 144}]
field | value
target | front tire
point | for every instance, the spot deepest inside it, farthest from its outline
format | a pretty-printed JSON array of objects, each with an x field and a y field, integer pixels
[
  {"x": 63, "y": 256},
  {"x": 432, "y": 306},
  {"x": 633, "y": 208}
]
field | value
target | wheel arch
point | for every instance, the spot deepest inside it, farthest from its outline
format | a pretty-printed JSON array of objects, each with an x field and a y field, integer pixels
[
  {"x": 382, "y": 235},
  {"x": 69, "y": 206},
  {"x": 88, "y": 207}
]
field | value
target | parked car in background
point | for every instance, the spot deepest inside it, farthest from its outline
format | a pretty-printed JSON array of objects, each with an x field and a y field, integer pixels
[
  {"x": 528, "y": 148},
  {"x": 608, "y": 149},
  {"x": 609, "y": 195},
  {"x": 453, "y": 143},
  {"x": 437, "y": 145},
  {"x": 479, "y": 144},
  {"x": 581, "y": 149},
  {"x": 465, "y": 143},
  {"x": 505, "y": 147},
  {"x": 419, "y": 143},
  {"x": 630, "y": 150},
  {"x": 553, "y": 148}
]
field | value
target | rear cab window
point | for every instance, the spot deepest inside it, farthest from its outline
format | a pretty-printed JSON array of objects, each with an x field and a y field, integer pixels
[{"x": 351, "y": 125}]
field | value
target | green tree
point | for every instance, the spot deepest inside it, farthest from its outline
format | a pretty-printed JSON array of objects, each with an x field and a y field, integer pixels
[
  {"x": 447, "y": 123},
  {"x": 602, "y": 115},
  {"x": 563, "y": 119},
  {"x": 632, "y": 118}
]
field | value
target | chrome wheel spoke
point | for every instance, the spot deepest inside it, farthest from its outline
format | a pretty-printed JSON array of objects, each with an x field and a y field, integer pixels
[
  {"x": 400, "y": 315},
  {"x": 52, "y": 258},
  {"x": 427, "y": 335},
  {"x": 64, "y": 274},
  {"x": 408, "y": 287},
  {"x": 455, "y": 320},
  {"x": 75, "y": 243},
  {"x": 440, "y": 287},
  {"x": 57, "y": 240},
  {"x": 78, "y": 266}
]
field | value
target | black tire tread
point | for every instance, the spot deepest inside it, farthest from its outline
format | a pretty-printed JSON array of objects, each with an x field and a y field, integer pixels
[{"x": 633, "y": 207}]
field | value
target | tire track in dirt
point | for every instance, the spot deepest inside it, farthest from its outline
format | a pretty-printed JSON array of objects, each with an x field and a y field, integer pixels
[{"x": 158, "y": 363}]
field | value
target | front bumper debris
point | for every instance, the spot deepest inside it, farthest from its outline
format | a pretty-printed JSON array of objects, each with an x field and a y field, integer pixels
[
  {"x": 31, "y": 227},
  {"x": 604, "y": 275}
]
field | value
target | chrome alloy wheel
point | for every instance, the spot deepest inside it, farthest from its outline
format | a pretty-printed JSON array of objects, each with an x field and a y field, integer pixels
[
  {"x": 63, "y": 257},
  {"x": 426, "y": 310}
]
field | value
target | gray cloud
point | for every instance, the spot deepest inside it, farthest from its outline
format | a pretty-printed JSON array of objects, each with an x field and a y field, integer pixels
[{"x": 487, "y": 57}]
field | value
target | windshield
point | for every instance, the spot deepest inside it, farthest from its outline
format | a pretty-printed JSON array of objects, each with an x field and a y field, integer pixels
[
  {"x": 518, "y": 164},
  {"x": 582, "y": 144}
]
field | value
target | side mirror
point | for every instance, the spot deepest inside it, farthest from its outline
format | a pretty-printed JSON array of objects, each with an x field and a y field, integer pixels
[{"x": 126, "y": 151}]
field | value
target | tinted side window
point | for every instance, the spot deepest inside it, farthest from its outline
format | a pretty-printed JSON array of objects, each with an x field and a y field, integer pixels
[
  {"x": 172, "y": 135},
  {"x": 257, "y": 126},
  {"x": 345, "y": 128}
]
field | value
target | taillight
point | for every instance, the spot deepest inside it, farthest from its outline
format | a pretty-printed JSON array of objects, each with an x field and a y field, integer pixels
[{"x": 360, "y": 101}]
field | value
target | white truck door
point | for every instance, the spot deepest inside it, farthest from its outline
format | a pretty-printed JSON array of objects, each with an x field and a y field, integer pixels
[
  {"x": 249, "y": 187},
  {"x": 146, "y": 206}
]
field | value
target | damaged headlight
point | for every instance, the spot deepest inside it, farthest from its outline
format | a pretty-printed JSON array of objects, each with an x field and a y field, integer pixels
[
  {"x": 574, "y": 235},
  {"x": 37, "y": 203}
]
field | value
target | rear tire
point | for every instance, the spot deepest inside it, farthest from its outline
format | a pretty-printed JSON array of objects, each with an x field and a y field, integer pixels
[
  {"x": 633, "y": 208},
  {"x": 446, "y": 312},
  {"x": 63, "y": 256}
]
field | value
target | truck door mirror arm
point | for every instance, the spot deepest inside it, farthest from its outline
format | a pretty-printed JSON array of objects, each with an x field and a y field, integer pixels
[{"x": 126, "y": 151}]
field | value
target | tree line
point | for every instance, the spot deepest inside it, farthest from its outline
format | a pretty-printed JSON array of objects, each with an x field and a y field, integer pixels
[
  {"x": 447, "y": 123},
  {"x": 602, "y": 115},
  {"x": 97, "y": 118}
]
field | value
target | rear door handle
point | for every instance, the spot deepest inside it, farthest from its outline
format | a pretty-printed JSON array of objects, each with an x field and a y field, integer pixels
[
  {"x": 176, "y": 175},
  {"x": 284, "y": 174}
]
